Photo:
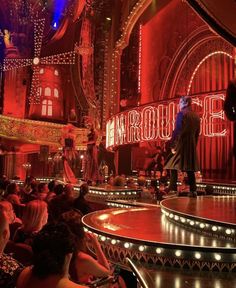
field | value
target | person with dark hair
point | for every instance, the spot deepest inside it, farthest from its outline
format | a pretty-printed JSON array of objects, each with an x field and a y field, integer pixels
[
  {"x": 9, "y": 267},
  {"x": 80, "y": 202},
  {"x": 61, "y": 203},
  {"x": 51, "y": 194},
  {"x": 12, "y": 193},
  {"x": 42, "y": 191},
  {"x": 230, "y": 108},
  {"x": 52, "y": 252},
  {"x": 183, "y": 146},
  {"x": 83, "y": 266},
  {"x": 157, "y": 162}
]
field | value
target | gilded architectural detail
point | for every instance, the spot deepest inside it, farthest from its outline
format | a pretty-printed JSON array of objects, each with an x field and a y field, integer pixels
[{"x": 37, "y": 132}]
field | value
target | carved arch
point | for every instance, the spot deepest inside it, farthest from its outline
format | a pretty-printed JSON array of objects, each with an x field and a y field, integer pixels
[{"x": 200, "y": 43}]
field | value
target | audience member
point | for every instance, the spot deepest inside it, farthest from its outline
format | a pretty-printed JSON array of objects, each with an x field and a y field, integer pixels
[
  {"x": 52, "y": 252},
  {"x": 83, "y": 266},
  {"x": 9, "y": 267},
  {"x": 61, "y": 203},
  {"x": 42, "y": 191},
  {"x": 51, "y": 194},
  {"x": 35, "y": 216},
  {"x": 81, "y": 203},
  {"x": 14, "y": 222},
  {"x": 12, "y": 193}
]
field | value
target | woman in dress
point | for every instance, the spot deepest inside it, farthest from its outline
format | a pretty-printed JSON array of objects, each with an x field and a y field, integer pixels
[
  {"x": 91, "y": 173},
  {"x": 69, "y": 153}
]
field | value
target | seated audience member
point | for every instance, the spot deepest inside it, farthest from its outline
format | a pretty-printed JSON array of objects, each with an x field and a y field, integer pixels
[
  {"x": 62, "y": 203},
  {"x": 81, "y": 203},
  {"x": 14, "y": 222},
  {"x": 9, "y": 267},
  {"x": 145, "y": 192},
  {"x": 12, "y": 193},
  {"x": 52, "y": 252},
  {"x": 34, "y": 217},
  {"x": 131, "y": 183},
  {"x": 85, "y": 268},
  {"x": 51, "y": 194},
  {"x": 30, "y": 191},
  {"x": 4, "y": 182},
  {"x": 42, "y": 191}
]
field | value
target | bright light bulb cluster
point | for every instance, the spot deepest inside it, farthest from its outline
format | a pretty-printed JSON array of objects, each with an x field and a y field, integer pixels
[
  {"x": 10, "y": 64},
  {"x": 201, "y": 62},
  {"x": 203, "y": 226},
  {"x": 66, "y": 58},
  {"x": 63, "y": 58},
  {"x": 160, "y": 251},
  {"x": 38, "y": 36}
]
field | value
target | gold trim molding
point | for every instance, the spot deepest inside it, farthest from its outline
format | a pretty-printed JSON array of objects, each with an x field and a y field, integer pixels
[{"x": 37, "y": 132}]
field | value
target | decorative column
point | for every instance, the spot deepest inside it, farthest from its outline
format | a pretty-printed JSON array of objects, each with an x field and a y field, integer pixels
[
  {"x": 112, "y": 95},
  {"x": 114, "y": 87}
]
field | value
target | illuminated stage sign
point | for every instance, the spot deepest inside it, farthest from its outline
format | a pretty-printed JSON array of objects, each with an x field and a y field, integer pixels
[{"x": 157, "y": 121}]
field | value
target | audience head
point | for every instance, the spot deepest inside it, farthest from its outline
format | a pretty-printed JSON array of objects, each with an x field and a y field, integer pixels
[
  {"x": 51, "y": 185},
  {"x": 12, "y": 188},
  {"x": 4, "y": 230},
  {"x": 73, "y": 220},
  {"x": 7, "y": 207},
  {"x": 59, "y": 188},
  {"x": 141, "y": 181},
  {"x": 84, "y": 189},
  {"x": 130, "y": 183},
  {"x": 43, "y": 188},
  {"x": 35, "y": 215},
  {"x": 69, "y": 191},
  {"x": 52, "y": 250}
]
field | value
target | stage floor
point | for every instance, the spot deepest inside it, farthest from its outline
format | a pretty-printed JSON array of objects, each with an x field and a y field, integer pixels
[
  {"x": 149, "y": 225},
  {"x": 221, "y": 209},
  {"x": 184, "y": 232}
]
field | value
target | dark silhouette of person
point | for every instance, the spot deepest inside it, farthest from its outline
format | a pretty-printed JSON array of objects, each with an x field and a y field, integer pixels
[{"x": 183, "y": 143}]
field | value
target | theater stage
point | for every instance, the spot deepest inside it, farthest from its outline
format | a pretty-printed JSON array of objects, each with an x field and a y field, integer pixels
[{"x": 181, "y": 233}]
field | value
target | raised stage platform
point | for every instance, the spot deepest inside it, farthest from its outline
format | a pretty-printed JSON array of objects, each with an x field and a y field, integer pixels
[{"x": 197, "y": 234}]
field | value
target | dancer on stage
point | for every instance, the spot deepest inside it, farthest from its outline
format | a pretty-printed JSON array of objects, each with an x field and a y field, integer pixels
[
  {"x": 91, "y": 173},
  {"x": 69, "y": 153},
  {"x": 183, "y": 145}
]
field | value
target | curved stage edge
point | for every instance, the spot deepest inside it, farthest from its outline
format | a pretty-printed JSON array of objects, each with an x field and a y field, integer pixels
[{"x": 181, "y": 233}]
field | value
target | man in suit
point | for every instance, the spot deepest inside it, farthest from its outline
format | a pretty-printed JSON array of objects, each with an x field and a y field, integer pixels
[{"x": 183, "y": 143}]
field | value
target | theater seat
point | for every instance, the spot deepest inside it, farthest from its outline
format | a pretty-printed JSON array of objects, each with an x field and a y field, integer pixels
[{"x": 19, "y": 251}]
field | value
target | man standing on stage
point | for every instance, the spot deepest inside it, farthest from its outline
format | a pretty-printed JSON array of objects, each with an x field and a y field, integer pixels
[{"x": 183, "y": 143}]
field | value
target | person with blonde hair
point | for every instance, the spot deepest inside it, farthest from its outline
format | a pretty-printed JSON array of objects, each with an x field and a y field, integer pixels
[
  {"x": 9, "y": 267},
  {"x": 14, "y": 222},
  {"x": 35, "y": 216}
]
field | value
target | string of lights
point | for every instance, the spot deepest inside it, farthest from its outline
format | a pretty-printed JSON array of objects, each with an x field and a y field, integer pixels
[{"x": 66, "y": 58}]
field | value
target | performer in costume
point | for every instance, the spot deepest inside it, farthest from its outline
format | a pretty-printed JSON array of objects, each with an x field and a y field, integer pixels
[
  {"x": 91, "y": 172},
  {"x": 69, "y": 153},
  {"x": 183, "y": 146}
]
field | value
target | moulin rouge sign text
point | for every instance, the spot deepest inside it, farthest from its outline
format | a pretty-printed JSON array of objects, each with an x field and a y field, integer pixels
[{"x": 157, "y": 121}]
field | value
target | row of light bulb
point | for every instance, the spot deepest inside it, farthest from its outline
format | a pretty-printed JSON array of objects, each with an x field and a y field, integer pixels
[
  {"x": 158, "y": 250},
  {"x": 197, "y": 224}
]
